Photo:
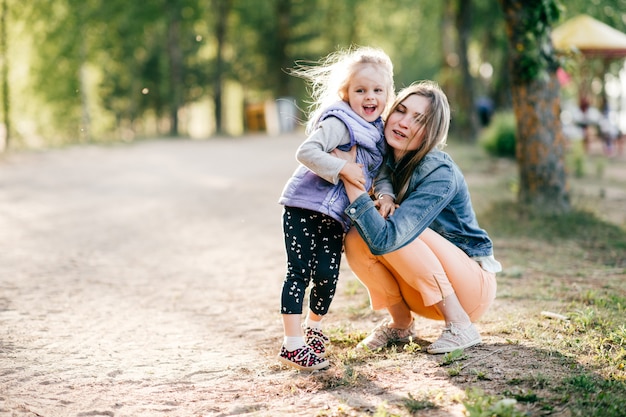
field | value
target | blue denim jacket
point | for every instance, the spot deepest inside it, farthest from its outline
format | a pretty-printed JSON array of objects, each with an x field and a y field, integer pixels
[{"x": 438, "y": 198}]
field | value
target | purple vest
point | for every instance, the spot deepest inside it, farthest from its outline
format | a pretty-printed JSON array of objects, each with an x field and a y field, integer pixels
[{"x": 307, "y": 190}]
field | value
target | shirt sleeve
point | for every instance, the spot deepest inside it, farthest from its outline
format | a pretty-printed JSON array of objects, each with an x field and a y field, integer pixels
[
  {"x": 314, "y": 151},
  {"x": 415, "y": 214}
]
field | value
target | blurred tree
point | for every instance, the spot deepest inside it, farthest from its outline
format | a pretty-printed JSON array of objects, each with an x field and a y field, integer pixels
[
  {"x": 541, "y": 145},
  {"x": 408, "y": 30},
  {"x": 4, "y": 72},
  {"x": 173, "y": 15},
  {"x": 610, "y": 12},
  {"x": 453, "y": 22},
  {"x": 60, "y": 32},
  {"x": 450, "y": 59},
  {"x": 343, "y": 31},
  {"x": 468, "y": 123},
  {"x": 269, "y": 37},
  {"x": 285, "y": 19},
  {"x": 151, "y": 59},
  {"x": 130, "y": 42},
  {"x": 489, "y": 45},
  {"x": 143, "y": 55},
  {"x": 222, "y": 10},
  {"x": 167, "y": 76}
]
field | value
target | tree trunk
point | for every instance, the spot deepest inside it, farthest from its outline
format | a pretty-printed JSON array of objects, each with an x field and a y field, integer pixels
[
  {"x": 283, "y": 11},
  {"x": 85, "y": 130},
  {"x": 541, "y": 145},
  {"x": 222, "y": 7},
  {"x": 175, "y": 57},
  {"x": 468, "y": 126},
  {"x": 449, "y": 46}
]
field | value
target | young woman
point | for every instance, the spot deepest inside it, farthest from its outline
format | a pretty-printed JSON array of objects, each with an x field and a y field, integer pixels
[{"x": 429, "y": 256}]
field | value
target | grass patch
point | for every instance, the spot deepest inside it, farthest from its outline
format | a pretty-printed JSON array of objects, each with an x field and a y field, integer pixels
[
  {"x": 605, "y": 241},
  {"x": 479, "y": 404},
  {"x": 422, "y": 402}
]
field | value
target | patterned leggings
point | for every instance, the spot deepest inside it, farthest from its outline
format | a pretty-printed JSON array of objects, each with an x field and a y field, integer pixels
[{"x": 313, "y": 242}]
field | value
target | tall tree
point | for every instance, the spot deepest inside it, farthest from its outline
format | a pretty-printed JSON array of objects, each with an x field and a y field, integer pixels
[
  {"x": 541, "y": 144},
  {"x": 283, "y": 36},
  {"x": 222, "y": 9},
  {"x": 490, "y": 41},
  {"x": 56, "y": 68},
  {"x": 468, "y": 128},
  {"x": 173, "y": 11}
]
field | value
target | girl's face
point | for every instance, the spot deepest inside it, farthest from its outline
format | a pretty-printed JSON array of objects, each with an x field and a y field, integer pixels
[
  {"x": 367, "y": 93},
  {"x": 404, "y": 129}
]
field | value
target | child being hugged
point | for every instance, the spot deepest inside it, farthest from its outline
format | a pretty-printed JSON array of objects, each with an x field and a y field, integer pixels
[{"x": 350, "y": 91}]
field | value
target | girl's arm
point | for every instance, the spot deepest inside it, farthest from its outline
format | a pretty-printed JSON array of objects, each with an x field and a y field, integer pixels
[{"x": 313, "y": 153}]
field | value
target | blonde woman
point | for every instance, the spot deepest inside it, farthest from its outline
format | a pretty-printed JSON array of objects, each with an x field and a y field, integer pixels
[{"x": 429, "y": 257}]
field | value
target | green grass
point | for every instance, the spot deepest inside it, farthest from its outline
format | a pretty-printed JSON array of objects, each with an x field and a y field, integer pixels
[{"x": 604, "y": 241}]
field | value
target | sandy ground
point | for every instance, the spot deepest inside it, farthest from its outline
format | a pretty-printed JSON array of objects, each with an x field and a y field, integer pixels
[
  {"x": 144, "y": 280},
  {"x": 135, "y": 280}
]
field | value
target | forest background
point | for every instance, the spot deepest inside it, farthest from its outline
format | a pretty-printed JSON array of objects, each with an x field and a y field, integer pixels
[{"x": 100, "y": 71}]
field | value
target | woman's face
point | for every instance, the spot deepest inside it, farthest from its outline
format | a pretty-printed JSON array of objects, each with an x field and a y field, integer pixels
[{"x": 403, "y": 129}]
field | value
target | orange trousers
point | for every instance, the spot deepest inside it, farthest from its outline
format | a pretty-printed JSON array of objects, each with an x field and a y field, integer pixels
[{"x": 422, "y": 274}]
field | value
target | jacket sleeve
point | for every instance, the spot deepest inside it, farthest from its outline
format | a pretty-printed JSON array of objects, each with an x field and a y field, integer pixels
[
  {"x": 428, "y": 198},
  {"x": 382, "y": 183},
  {"x": 314, "y": 151}
]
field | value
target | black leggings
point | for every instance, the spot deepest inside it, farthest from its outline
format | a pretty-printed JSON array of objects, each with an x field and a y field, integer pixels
[{"x": 313, "y": 242}]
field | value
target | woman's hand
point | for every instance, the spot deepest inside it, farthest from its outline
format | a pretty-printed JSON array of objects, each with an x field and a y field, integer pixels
[
  {"x": 385, "y": 205},
  {"x": 349, "y": 156},
  {"x": 352, "y": 173}
]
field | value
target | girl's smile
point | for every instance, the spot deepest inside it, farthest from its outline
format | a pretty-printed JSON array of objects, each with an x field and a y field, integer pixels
[{"x": 367, "y": 94}]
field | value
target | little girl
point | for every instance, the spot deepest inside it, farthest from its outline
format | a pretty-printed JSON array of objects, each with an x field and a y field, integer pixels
[{"x": 350, "y": 91}]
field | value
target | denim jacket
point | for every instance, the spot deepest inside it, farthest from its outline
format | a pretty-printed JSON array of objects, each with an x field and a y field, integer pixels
[{"x": 437, "y": 198}]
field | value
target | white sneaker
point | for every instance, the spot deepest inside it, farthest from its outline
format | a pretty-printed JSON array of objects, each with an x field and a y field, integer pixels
[{"x": 453, "y": 338}]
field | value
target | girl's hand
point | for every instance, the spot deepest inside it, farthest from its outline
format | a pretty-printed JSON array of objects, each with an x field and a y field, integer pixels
[{"x": 385, "y": 205}]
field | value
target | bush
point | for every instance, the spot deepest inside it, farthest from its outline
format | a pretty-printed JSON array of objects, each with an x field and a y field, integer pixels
[{"x": 498, "y": 138}]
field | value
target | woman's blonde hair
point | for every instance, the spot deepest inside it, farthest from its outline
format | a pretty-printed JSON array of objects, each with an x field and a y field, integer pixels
[
  {"x": 329, "y": 78},
  {"x": 435, "y": 123}
]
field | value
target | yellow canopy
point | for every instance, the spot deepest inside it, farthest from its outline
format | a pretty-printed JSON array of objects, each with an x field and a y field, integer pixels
[{"x": 589, "y": 36}]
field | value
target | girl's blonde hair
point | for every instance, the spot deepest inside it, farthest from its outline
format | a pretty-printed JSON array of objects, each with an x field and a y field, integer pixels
[
  {"x": 329, "y": 78},
  {"x": 435, "y": 123}
]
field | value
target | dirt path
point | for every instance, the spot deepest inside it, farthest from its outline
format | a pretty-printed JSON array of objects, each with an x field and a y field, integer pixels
[
  {"x": 144, "y": 279},
  {"x": 139, "y": 279}
]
